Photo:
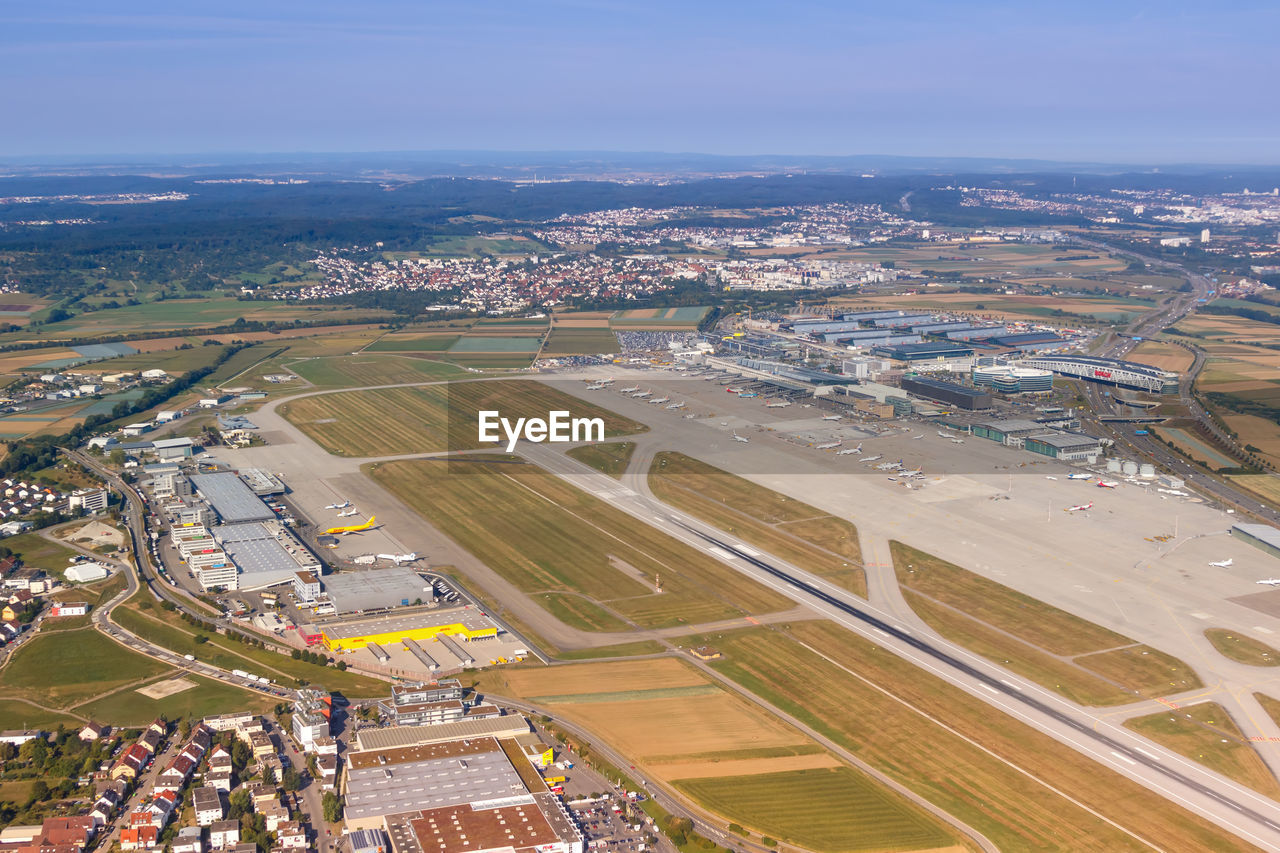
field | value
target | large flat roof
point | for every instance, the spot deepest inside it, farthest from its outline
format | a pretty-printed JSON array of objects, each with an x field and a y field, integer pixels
[
  {"x": 375, "y": 589},
  {"x": 259, "y": 555},
  {"x": 231, "y": 498},
  {"x": 394, "y": 736},
  {"x": 1262, "y": 532},
  {"x": 468, "y": 617},
  {"x": 1065, "y": 440}
]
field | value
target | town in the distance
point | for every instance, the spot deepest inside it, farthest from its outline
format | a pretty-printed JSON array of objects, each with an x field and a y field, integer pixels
[{"x": 911, "y": 511}]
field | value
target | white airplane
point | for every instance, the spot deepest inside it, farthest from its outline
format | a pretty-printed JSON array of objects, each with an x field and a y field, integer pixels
[
  {"x": 348, "y": 513},
  {"x": 659, "y": 400},
  {"x": 1271, "y": 581},
  {"x": 1103, "y": 484},
  {"x": 741, "y": 438},
  {"x": 915, "y": 472},
  {"x": 957, "y": 441},
  {"x": 830, "y": 445},
  {"x": 604, "y": 382},
  {"x": 917, "y": 437},
  {"x": 594, "y": 387},
  {"x": 679, "y": 405},
  {"x": 1079, "y": 477},
  {"x": 870, "y": 459},
  {"x": 1050, "y": 478},
  {"x": 640, "y": 394},
  {"x": 831, "y": 417},
  {"x": 944, "y": 434},
  {"x": 849, "y": 450},
  {"x": 780, "y": 404},
  {"x": 630, "y": 390},
  {"x": 888, "y": 466},
  {"x": 1222, "y": 564},
  {"x": 342, "y": 505},
  {"x": 404, "y": 558},
  {"x": 1079, "y": 507},
  {"x": 690, "y": 416}
]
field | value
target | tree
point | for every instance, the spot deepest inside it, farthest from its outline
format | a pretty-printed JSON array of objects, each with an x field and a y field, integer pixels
[
  {"x": 331, "y": 805},
  {"x": 269, "y": 776},
  {"x": 39, "y": 792},
  {"x": 116, "y": 458},
  {"x": 292, "y": 779},
  {"x": 240, "y": 755},
  {"x": 239, "y": 803}
]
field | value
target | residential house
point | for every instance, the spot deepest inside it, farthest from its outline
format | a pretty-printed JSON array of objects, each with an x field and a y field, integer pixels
[
  {"x": 144, "y": 837},
  {"x": 92, "y": 731},
  {"x": 292, "y": 835},
  {"x": 151, "y": 740},
  {"x": 208, "y": 805},
  {"x": 134, "y": 760},
  {"x": 274, "y": 815},
  {"x": 264, "y": 795},
  {"x": 190, "y": 839},
  {"x": 73, "y": 831},
  {"x": 220, "y": 779},
  {"x": 223, "y": 834},
  {"x": 174, "y": 777}
]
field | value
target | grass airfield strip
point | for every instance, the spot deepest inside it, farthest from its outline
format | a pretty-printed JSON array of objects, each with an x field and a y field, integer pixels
[
  {"x": 725, "y": 753},
  {"x": 1019, "y": 787},
  {"x": 431, "y": 418},
  {"x": 544, "y": 535},
  {"x": 796, "y": 532},
  {"x": 1069, "y": 655}
]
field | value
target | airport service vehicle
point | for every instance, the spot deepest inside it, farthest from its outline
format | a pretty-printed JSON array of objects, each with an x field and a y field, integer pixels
[
  {"x": 1078, "y": 477},
  {"x": 1079, "y": 508},
  {"x": 1104, "y": 484},
  {"x": 741, "y": 438},
  {"x": 342, "y": 505},
  {"x": 1222, "y": 564},
  {"x": 1270, "y": 581},
  {"x": 831, "y": 417},
  {"x": 830, "y": 445}
]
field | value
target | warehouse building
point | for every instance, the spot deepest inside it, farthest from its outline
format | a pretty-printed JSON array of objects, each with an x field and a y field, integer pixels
[
  {"x": 960, "y": 396},
  {"x": 1067, "y": 446},
  {"x": 1109, "y": 371},
  {"x": 376, "y": 590},
  {"x": 975, "y": 333},
  {"x": 931, "y": 350},
  {"x": 464, "y": 623},
  {"x": 1261, "y": 536},
  {"x": 266, "y": 554},
  {"x": 1030, "y": 341},
  {"x": 392, "y": 737},
  {"x": 1012, "y": 431},
  {"x": 231, "y": 499},
  {"x": 902, "y": 320}
]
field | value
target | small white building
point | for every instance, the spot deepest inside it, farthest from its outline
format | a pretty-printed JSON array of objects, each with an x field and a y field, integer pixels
[
  {"x": 134, "y": 430},
  {"x": 154, "y": 374},
  {"x": 104, "y": 442},
  {"x": 166, "y": 416},
  {"x": 86, "y": 573}
]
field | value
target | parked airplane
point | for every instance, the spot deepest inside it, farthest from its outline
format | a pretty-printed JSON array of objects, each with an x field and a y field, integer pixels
[
  {"x": 348, "y": 513},
  {"x": 1078, "y": 507},
  {"x": 404, "y": 558},
  {"x": 1050, "y": 478},
  {"x": 659, "y": 401},
  {"x": 917, "y": 437},
  {"x": 748, "y": 394},
  {"x": 594, "y": 387},
  {"x": 945, "y": 434},
  {"x": 679, "y": 405},
  {"x": 1079, "y": 477},
  {"x": 342, "y": 505},
  {"x": 733, "y": 390},
  {"x": 355, "y": 528},
  {"x": 1222, "y": 564},
  {"x": 830, "y": 445},
  {"x": 849, "y": 450},
  {"x": 778, "y": 404},
  {"x": 957, "y": 441},
  {"x": 1103, "y": 484},
  {"x": 1271, "y": 581},
  {"x": 831, "y": 417},
  {"x": 630, "y": 390},
  {"x": 915, "y": 472},
  {"x": 741, "y": 438},
  {"x": 604, "y": 382},
  {"x": 870, "y": 459},
  {"x": 640, "y": 394}
]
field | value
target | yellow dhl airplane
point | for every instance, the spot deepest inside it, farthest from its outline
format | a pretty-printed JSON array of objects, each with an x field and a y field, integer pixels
[{"x": 351, "y": 528}]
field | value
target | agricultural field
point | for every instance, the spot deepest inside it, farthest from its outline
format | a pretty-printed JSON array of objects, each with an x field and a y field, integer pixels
[
  {"x": 1072, "y": 656},
  {"x": 1163, "y": 355},
  {"x": 1265, "y": 486},
  {"x": 469, "y": 246},
  {"x": 65, "y": 668},
  {"x": 175, "y": 362},
  {"x": 580, "y": 341},
  {"x": 1002, "y": 308},
  {"x": 725, "y": 753},
  {"x": 1206, "y": 733},
  {"x": 833, "y": 809},
  {"x": 1242, "y": 648},
  {"x": 16, "y": 714},
  {"x": 347, "y": 371},
  {"x": 611, "y": 457},
  {"x": 659, "y": 319},
  {"x": 414, "y": 342},
  {"x": 1193, "y": 446},
  {"x": 37, "y": 551},
  {"x": 544, "y": 535},
  {"x": 920, "y": 730},
  {"x": 206, "y": 697},
  {"x": 432, "y": 418},
  {"x": 40, "y": 420},
  {"x": 796, "y": 532}
]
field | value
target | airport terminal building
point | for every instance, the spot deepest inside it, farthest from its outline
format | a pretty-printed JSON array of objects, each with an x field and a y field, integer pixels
[{"x": 1110, "y": 371}]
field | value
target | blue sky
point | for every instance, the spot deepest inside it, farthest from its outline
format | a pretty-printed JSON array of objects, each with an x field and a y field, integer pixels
[{"x": 1150, "y": 82}]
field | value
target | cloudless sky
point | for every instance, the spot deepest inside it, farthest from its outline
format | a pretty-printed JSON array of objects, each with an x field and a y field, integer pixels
[{"x": 1108, "y": 81}]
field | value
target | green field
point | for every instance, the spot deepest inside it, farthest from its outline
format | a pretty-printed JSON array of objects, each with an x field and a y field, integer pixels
[
  {"x": 496, "y": 344},
  {"x": 19, "y": 715},
  {"x": 38, "y": 551},
  {"x": 175, "y": 362},
  {"x": 413, "y": 343},
  {"x": 131, "y": 708},
  {"x": 430, "y": 419},
  {"x": 357, "y": 370},
  {"x": 835, "y": 809},
  {"x": 610, "y": 458},
  {"x": 640, "y": 319},
  {"x": 580, "y": 341},
  {"x": 577, "y": 612},
  {"x": 65, "y": 668},
  {"x": 798, "y": 533},
  {"x": 900, "y": 732},
  {"x": 544, "y": 535},
  {"x": 1206, "y": 733},
  {"x": 242, "y": 361},
  {"x": 1071, "y": 656}
]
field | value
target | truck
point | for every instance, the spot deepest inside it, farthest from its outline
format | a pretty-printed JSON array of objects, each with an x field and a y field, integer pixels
[
  {"x": 188, "y": 657},
  {"x": 239, "y": 673}
]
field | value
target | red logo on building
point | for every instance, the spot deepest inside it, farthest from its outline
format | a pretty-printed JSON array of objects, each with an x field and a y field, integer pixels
[{"x": 1102, "y": 374}]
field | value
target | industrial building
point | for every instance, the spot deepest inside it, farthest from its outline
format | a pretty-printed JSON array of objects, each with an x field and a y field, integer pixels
[
  {"x": 465, "y": 623},
  {"x": 266, "y": 554},
  {"x": 935, "y": 350},
  {"x": 960, "y": 396},
  {"x": 1011, "y": 379},
  {"x": 974, "y": 333},
  {"x": 1012, "y": 431},
  {"x": 230, "y": 498},
  {"x": 1110, "y": 371},
  {"x": 391, "y": 737},
  {"x": 1029, "y": 341},
  {"x": 1067, "y": 446},
  {"x": 375, "y": 590},
  {"x": 1261, "y": 536}
]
